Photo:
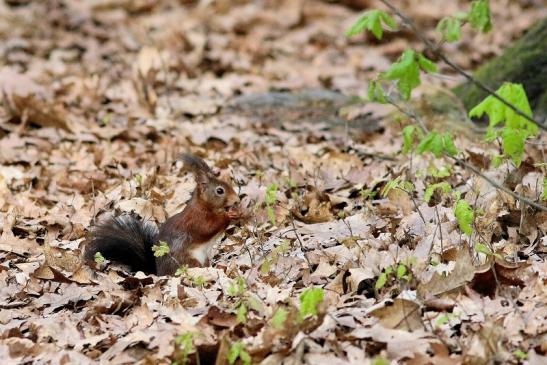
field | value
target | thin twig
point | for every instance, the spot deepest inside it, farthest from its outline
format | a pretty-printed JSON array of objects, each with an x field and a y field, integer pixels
[
  {"x": 299, "y": 241},
  {"x": 440, "y": 228},
  {"x": 249, "y": 252},
  {"x": 415, "y": 204},
  {"x": 438, "y": 52},
  {"x": 519, "y": 197}
]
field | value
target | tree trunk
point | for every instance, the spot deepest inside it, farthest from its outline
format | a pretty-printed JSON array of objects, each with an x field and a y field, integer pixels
[{"x": 525, "y": 62}]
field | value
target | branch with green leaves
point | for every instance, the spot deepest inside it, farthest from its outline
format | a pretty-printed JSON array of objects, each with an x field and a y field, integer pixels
[
  {"x": 441, "y": 144},
  {"x": 508, "y": 106},
  {"x": 479, "y": 18}
]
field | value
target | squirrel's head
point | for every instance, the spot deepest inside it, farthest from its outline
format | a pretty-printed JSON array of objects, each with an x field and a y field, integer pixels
[{"x": 216, "y": 194}]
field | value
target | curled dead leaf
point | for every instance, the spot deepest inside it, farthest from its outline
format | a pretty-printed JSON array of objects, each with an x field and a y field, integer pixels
[
  {"x": 313, "y": 207},
  {"x": 500, "y": 272}
]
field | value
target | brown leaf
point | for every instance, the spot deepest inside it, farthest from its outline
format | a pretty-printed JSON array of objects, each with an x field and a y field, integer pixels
[
  {"x": 358, "y": 275},
  {"x": 315, "y": 207},
  {"x": 10, "y": 243},
  {"x": 462, "y": 273},
  {"x": 400, "y": 314},
  {"x": 219, "y": 318}
]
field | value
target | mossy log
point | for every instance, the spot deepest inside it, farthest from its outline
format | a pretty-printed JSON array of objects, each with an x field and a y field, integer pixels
[{"x": 524, "y": 62}]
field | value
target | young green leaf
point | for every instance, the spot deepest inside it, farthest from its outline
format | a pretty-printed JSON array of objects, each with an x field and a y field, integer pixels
[
  {"x": 517, "y": 128},
  {"x": 160, "y": 250},
  {"x": 376, "y": 93},
  {"x": 426, "y": 64},
  {"x": 482, "y": 248},
  {"x": 271, "y": 214},
  {"x": 401, "y": 271},
  {"x": 464, "y": 215},
  {"x": 442, "y": 320},
  {"x": 443, "y": 186},
  {"x": 186, "y": 343},
  {"x": 237, "y": 288},
  {"x": 381, "y": 281},
  {"x": 242, "y": 313},
  {"x": 521, "y": 355},
  {"x": 390, "y": 185},
  {"x": 448, "y": 145},
  {"x": 138, "y": 179},
  {"x": 271, "y": 194},
  {"x": 199, "y": 281},
  {"x": 99, "y": 258},
  {"x": 372, "y": 20},
  {"x": 513, "y": 141},
  {"x": 284, "y": 247},
  {"x": 498, "y": 112},
  {"x": 479, "y": 16},
  {"x": 237, "y": 350},
  {"x": 367, "y": 194},
  {"x": 407, "y": 186},
  {"x": 438, "y": 144},
  {"x": 279, "y": 318},
  {"x": 497, "y": 161},
  {"x": 380, "y": 361},
  {"x": 408, "y": 138},
  {"x": 443, "y": 171},
  {"x": 397, "y": 183},
  {"x": 406, "y": 71},
  {"x": 450, "y": 28},
  {"x": 270, "y": 199},
  {"x": 309, "y": 300},
  {"x": 245, "y": 357},
  {"x": 181, "y": 270},
  {"x": 431, "y": 143},
  {"x": 266, "y": 266},
  {"x": 544, "y": 193},
  {"x": 234, "y": 352}
]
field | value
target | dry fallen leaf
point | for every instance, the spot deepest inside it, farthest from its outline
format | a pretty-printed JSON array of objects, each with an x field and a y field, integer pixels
[
  {"x": 463, "y": 272},
  {"x": 400, "y": 314}
]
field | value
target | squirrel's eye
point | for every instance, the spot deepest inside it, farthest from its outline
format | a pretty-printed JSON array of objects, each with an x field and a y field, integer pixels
[{"x": 220, "y": 190}]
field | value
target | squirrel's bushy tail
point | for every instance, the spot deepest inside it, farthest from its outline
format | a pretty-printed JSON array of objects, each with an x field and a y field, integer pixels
[{"x": 127, "y": 240}]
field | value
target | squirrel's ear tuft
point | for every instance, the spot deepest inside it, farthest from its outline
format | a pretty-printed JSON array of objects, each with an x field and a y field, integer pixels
[
  {"x": 202, "y": 172},
  {"x": 195, "y": 164}
]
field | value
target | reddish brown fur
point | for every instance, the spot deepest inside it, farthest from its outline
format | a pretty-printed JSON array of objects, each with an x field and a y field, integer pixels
[
  {"x": 205, "y": 216},
  {"x": 201, "y": 223}
]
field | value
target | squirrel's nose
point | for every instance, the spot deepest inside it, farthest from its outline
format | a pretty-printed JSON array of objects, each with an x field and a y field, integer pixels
[{"x": 234, "y": 200}]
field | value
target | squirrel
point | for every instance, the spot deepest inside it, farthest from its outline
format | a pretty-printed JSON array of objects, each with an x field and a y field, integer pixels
[{"x": 189, "y": 234}]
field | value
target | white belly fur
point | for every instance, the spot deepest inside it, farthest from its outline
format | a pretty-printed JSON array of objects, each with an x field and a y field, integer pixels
[{"x": 201, "y": 252}]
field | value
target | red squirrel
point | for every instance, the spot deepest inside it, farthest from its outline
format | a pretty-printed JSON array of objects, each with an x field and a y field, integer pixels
[{"x": 189, "y": 234}]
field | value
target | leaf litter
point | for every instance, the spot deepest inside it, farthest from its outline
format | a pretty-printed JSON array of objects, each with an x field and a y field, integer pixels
[{"x": 100, "y": 97}]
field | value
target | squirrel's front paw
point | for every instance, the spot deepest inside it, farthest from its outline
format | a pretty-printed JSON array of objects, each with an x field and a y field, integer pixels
[{"x": 234, "y": 213}]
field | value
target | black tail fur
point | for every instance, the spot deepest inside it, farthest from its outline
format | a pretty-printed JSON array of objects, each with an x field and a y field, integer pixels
[{"x": 127, "y": 240}]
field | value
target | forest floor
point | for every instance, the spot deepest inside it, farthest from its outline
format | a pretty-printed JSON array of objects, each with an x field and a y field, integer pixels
[{"x": 99, "y": 99}]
